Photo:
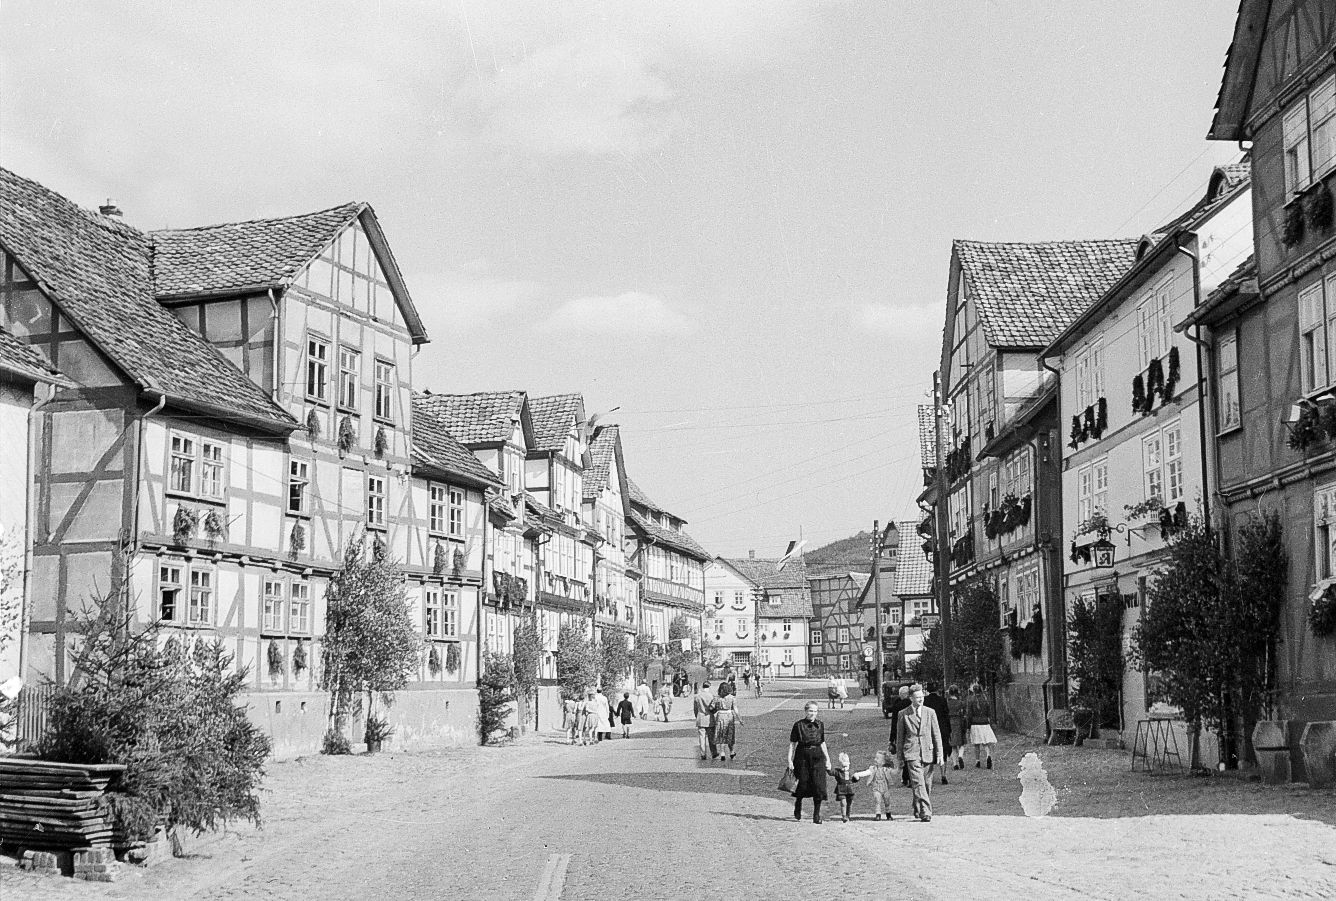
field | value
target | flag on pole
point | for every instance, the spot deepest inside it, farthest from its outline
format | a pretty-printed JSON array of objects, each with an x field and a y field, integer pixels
[{"x": 795, "y": 550}]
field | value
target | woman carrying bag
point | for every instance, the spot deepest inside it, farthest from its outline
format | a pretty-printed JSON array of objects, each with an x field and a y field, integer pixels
[{"x": 809, "y": 760}]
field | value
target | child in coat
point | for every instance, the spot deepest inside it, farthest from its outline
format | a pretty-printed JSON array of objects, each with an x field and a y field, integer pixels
[
  {"x": 881, "y": 777},
  {"x": 625, "y": 710},
  {"x": 844, "y": 786}
]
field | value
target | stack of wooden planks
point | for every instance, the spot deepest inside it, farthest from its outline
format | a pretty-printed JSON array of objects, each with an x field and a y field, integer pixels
[{"x": 54, "y": 805}]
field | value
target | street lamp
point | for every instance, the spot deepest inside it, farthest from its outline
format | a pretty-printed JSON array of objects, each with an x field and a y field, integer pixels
[{"x": 888, "y": 540}]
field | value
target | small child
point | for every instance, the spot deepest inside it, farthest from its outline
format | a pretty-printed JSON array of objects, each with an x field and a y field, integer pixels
[
  {"x": 844, "y": 786},
  {"x": 881, "y": 776},
  {"x": 571, "y": 719},
  {"x": 625, "y": 711}
]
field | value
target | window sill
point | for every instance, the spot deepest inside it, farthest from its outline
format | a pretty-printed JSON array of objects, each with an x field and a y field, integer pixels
[
  {"x": 195, "y": 498},
  {"x": 177, "y": 624},
  {"x": 317, "y": 401},
  {"x": 377, "y": 527},
  {"x": 298, "y": 514},
  {"x": 1229, "y": 431},
  {"x": 381, "y": 420}
]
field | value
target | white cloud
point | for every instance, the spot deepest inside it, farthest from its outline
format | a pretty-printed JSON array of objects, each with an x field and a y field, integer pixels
[
  {"x": 471, "y": 298},
  {"x": 900, "y": 321},
  {"x": 633, "y": 313}
]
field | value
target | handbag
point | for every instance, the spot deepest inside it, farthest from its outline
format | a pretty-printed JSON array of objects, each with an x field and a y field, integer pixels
[{"x": 788, "y": 782}]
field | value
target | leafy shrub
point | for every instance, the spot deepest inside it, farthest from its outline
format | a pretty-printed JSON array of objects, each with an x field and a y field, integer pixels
[
  {"x": 495, "y": 695},
  {"x": 335, "y": 743}
]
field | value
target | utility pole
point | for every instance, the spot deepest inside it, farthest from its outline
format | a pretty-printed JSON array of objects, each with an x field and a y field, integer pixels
[
  {"x": 942, "y": 558},
  {"x": 890, "y": 540},
  {"x": 756, "y": 593}
]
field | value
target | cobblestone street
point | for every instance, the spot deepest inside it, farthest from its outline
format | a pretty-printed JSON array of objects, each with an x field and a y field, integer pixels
[{"x": 645, "y": 819}]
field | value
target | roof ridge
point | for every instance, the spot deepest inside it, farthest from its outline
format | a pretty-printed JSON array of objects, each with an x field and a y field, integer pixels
[
  {"x": 359, "y": 205},
  {"x": 428, "y": 393},
  {"x": 1049, "y": 242}
]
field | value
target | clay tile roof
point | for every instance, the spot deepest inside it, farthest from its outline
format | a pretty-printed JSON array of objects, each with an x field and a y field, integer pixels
[
  {"x": 927, "y": 436},
  {"x": 97, "y": 270},
  {"x": 640, "y": 498},
  {"x": 19, "y": 359},
  {"x": 433, "y": 444},
  {"x": 1026, "y": 293},
  {"x": 602, "y": 461},
  {"x": 913, "y": 570},
  {"x": 788, "y": 584},
  {"x": 553, "y": 417},
  {"x": 485, "y": 417},
  {"x": 677, "y": 540},
  {"x": 241, "y": 256},
  {"x": 1241, "y": 275}
]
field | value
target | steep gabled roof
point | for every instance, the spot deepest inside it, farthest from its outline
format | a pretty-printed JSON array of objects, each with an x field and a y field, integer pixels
[
  {"x": 18, "y": 359},
  {"x": 640, "y": 498},
  {"x": 1025, "y": 293},
  {"x": 244, "y": 257},
  {"x": 553, "y": 418},
  {"x": 913, "y": 570},
  {"x": 1236, "y": 87},
  {"x": 481, "y": 418},
  {"x": 603, "y": 465},
  {"x": 927, "y": 431},
  {"x": 677, "y": 540},
  {"x": 97, "y": 270},
  {"x": 433, "y": 445},
  {"x": 789, "y": 584}
]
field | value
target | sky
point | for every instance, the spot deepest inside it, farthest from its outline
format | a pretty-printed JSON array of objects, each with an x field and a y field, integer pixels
[{"x": 730, "y": 220}]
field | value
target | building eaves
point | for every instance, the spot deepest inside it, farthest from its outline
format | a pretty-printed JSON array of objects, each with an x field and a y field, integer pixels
[
  {"x": 478, "y": 419},
  {"x": 553, "y": 418},
  {"x": 1238, "y": 290},
  {"x": 677, "y": 540},
  {"x": 434, "y": 445},
  {"x": 22, "y": 361},
  {"x": 1236, "y": 86}
]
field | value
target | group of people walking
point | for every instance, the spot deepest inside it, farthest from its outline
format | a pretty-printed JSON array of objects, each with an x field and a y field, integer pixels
[
  {"x": 717, "y": 720},
  {"x": 917, "y": 742},
  {"x": 593, "y": 718}
]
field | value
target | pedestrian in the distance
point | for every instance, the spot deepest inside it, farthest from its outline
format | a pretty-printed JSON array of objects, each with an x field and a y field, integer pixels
[
  {"x": 919, "y": 743},
  {"x": 956, "y": 707},
  {"x": 879, "y": 777},
  {"x": 588, "y": 714},
  {"x": 612, "y": 720},
  {"x": 979, "y": 716},
  {"x": 602, "y": 716},
  {"x": 862, "y": 682},
  {"x": 644, "y": 698},
  {"x": 702, "y": 704},
  {"x": 844, "y": 786},
  {"x": 809, "y": 760},
  {"x": 726, "y": 721},
  {"x": 746, "y": 678},
  {"x": 939, "y": 707},
  {"x": 664, "y": 705},
  {"x": 756, "y": 683},
  {"x": 570, "y": 719},
  {"x": 626, "y": 711}
]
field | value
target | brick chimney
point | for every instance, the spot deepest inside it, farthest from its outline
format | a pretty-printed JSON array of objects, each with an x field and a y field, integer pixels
[{"x": 110, "y": 209}]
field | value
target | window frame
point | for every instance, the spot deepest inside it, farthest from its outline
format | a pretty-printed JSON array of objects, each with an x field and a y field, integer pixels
[
  {"x": 1228, "y": 383},
  {"x": 317, "y": 364},
  {"x": 376, "y": 501},
  {"x": 178, "y": 584},
  {"x": 455, "y": 522},
  {"x": 299, "y": 599},
  {"x": 181, "y": 455},
  {"x": 201, "y": 586},
  {"x": 382, "y": 409},
  {"x": 815, "y": 637},
  {"x": 437, "y": 504},
  {"x": 303, "y": 483},
  {"x": 349, "y": 380},
  {"x": 1300, "y": 161},
  {"x": 273, "y": 616}
]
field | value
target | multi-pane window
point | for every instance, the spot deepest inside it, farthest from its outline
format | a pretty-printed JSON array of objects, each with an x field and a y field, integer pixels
[
  {"x": 788, "y": 657},
  {"x": 786, "y": 625},
  {"x": 450, "y": 614},
  {"x": 200, "y": 610},
  {"x": 436, "y": 505},
  {"x": 1092, "y": 489},
  {"x": 375, "y": 501},
  {"x": 1317, "y": 333},
  {"x": 1090, "y": 374},
  {"x": 272, "y": 620},
  {"x": 432, "y": 610},
  {"x": 719, "y": 626},
  {"x": 1308, "y": 135},
  {"x": 816, "y": 636},
  {"x": 299, "y": 607},
  {"x": 1227, "y": 353},
  {"x": 211, "y": 470},
  {"x": 740, "y": 624},
  {"x": 1016, "y": 471},
  {"x": 1324, "y": 524},
  {"x": 317, "y": 368},
  {"x": 1153, "y": 323},
  {"x": 844, "y": 636},
  {"x": 183, "y": 464},
  {"x": 1162, "y": 464},
  {"x": 170, "y": 587},
  {"x": 739, "y": 600},
  {"x": 719, "y": 600},
  {"x": 299, "y": 481},
  {"x": 1027, "y": 591},
  {"x": 994, "y": 498},
  {"x": 919, "y": 607},
  {"x": 456, "y": 513},
  {"x": 349, "y": 367},
  {"x": 384, "y": 390}
]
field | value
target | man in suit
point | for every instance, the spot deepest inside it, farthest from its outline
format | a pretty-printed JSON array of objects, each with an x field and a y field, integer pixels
[
  {"x": 938, "y": 705},
  {"x": 702, "y": 707},
  {"x": 918, "y": 742},
  {"x": 898, "y": 706}
]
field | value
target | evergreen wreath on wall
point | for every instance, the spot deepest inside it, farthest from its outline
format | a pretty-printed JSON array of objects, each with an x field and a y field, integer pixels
[
  {"x": 452, "y": 657},
  {"x": 214, "y": 525},
  {"x": 1322, "y": 613},
  {"x": 1292, "y": 229},
  {"x": 1317, "y": 208},
  {"x": 275, "y": 660},
  {"x": 313, "y": 425},
  {"x": 438, "y": 560},
  {"x": 347, "y": 435},
  {"x": 434, "y": 661},
  {"x": 1138, "y": 393},
  {"x": 299, "y": 658},
  {"x": 184, "y": 524},
  {"x": 297, "y": 540},
  {"x": 382, "y": 441}
]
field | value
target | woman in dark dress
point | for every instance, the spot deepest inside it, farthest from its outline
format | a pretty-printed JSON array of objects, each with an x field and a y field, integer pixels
[{"x": 809, "y": 760}]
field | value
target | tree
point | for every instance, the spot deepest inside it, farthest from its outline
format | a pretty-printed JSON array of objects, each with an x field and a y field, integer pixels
[
  {"x": 1210, "y": 625},
  {"x": 495, "y": 694},
  {"x": 680, "y": 627},
  {"x": 614, "y": 660},
  {"x": 641, "y": 656},
  {"x": 976, "y": 633},
  {"x": 169, "y": 714},
  {"x": 370, "y": 645},
  {"x": 526, "y": 653},
  {"x": 577, "y": 663},
  {"x": 1095, "y": 656}
]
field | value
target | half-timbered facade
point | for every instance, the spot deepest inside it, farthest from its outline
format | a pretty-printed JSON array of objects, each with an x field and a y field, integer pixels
[
  {"x": 670, "y": 563},
  {"x": 835, "y": 634}
]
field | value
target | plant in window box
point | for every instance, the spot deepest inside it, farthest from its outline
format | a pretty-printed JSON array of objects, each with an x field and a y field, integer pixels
[
  {"x": 214, "y": 526},
  {"x": 1292, "y": 229},
  {"x": 347, "y": 435},
  {"x": 1097, "y": 523},
  {"x": 1154, "y": 383},
  {"x": 452, "y": 657},
  {"x": 1322, "y": 612},
  {"x": 1144, "y": 509},
  {"x": 1318, "y": 208},
  {"x": 434, "y": 661},
  {"x": 296, "y": 540},
  {"x": 378, "y": 731},
  {"x": 274, "y": 657},
  {"x": 1089, "y": 422},
  {"x": 382, "y": 441},
  {"x": 313, "y": 425},
  {"x": 184, "y": 523},
  {"x": 299, "y": 659}
]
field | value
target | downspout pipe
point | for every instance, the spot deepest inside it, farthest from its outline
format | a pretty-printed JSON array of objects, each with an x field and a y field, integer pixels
[{"x": 1202, "y": 349}]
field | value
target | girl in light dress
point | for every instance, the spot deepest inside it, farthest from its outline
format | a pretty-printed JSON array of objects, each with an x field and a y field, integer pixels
[{"x": 880, "y": 776}]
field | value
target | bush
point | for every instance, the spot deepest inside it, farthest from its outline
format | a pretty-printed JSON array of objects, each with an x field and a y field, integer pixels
[
  {"x": 577, "y": 663},
  {"x": 335, "y": 743},
  {"x": 170, "y": 716},
  {"x": 495, "y": 695}
]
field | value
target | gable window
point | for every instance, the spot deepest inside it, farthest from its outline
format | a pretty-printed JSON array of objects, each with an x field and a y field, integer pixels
[
  {"x": 457, "y": 513},
  {"x": 299, "y": 480},
  {"x": 1308, "y": 135},
  {"x": 183, "y": 464},
  {"x": 375, "y": 501},
  {"x": 1317, "y": 328},
  {"x": 272, "y": 620},
  {"x": 170, "y": 587},
  {"x": 436, "y": 509},
  {"x": 739, "y": 600},
  {"x": 349, "y": 366},
  {"x": 299, "y": 607},
  {"x": 719, "y": 600},
  {"x": 384, "y": 391},
  {"x": 200, "y": 611},
  {"x": 772, "y": 598},
  {"x": 317, "y": 368},
  {"x": 1227, "y": 353}
]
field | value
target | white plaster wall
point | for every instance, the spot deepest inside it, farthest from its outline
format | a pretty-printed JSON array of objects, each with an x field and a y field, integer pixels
[{"x": 15, "y": 402}]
